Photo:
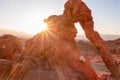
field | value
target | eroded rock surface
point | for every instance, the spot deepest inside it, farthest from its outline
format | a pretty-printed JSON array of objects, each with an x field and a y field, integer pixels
[
  {"x": 39, "y": 58},
  {"x": 9, "y": 45},
  {"x": 77, "y": 11},
  {"x": 47, "y": 63}
]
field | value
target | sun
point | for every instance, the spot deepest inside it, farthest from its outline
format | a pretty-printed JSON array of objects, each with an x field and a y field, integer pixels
[
  {"x": 34, "y": 25},
  {"x": 43, "y": 27},
  {"x": 38, "y": 28}
]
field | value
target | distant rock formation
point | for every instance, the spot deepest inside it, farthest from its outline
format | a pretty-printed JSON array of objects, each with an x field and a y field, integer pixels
[
  {"x": 9, "y": 45},
  {"x": 114, "y": 46}
]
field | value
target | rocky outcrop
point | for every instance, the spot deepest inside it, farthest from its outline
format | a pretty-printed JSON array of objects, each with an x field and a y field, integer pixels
[
  {"x": 114, "y": 46},
  {"x": 54, "y": 48},
  {"x": 9, "y": 45},
  {"x": 43, "y": 60},
  {"x": 77, "y": 11},
  {"x": 41, "y": 57}
]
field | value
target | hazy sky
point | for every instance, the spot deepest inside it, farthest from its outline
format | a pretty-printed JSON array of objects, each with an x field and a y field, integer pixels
[{"x": 28, "y": 15}]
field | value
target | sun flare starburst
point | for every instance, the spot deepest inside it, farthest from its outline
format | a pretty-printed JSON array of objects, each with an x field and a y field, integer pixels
[{"x": 43, "y": 28}]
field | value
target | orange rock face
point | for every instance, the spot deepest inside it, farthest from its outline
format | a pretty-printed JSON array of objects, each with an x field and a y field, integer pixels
[
  {"x": 9, "y": 45},
  {"x": 77, "y": 11},
  {"x": 56, "y": 47}
]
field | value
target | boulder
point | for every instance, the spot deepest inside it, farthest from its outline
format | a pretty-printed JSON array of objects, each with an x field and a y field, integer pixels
[{"x": 9, "y": 45}]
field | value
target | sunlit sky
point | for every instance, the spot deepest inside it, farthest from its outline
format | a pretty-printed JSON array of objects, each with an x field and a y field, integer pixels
[{"x": 28, "y": 15}]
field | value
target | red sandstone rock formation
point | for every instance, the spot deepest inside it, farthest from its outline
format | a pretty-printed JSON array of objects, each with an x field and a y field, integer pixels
[
  {"x": 38, "y": 52},
  {"x": 5, "y": 66},
  {"x": 45, "y": 52},
  {"x": 9, "y": 45},
  {"x": 55, "y": 48},
  {"x": 77, "y": 11}
]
